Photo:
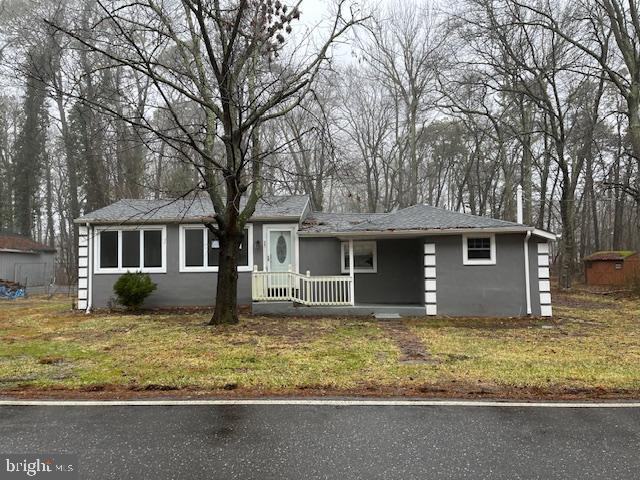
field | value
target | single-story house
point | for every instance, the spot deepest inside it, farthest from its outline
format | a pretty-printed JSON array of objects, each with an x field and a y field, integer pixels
[
  {"x": 419, "y": 260},
  {"x": 26, "y": 261},
  {"x": 613, "y": 268}
]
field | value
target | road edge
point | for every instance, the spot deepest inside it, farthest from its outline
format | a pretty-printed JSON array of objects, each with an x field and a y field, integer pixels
[{"x": 321, "y": 402}]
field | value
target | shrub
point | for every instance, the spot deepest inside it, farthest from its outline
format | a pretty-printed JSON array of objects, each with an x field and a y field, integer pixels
[{"x": 132, "y": 289}]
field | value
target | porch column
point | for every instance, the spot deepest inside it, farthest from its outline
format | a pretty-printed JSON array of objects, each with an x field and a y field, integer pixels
[{"x": 352, "y": 287}]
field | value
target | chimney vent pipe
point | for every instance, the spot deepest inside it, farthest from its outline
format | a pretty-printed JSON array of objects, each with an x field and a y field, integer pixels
[{"x": 520, "y": 214}]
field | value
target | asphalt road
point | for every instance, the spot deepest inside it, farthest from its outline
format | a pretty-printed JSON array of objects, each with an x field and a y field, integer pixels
[{"x": 342, "y": 442}]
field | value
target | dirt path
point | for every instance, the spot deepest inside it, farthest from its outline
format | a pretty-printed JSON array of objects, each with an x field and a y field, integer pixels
[{"x": 411, "y": 347}]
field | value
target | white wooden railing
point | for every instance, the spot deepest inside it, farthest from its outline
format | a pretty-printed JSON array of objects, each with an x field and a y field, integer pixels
[{"x": 304, "y": 289}]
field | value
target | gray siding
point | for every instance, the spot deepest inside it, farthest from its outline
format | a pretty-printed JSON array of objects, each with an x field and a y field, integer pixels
[
  {"x": 485, "y": 290},
  {"x": 31, "y": 269},
  {"x": 320, "y": 256},
  {"x": 399, "y": 278},
  {"x": 462, "y": 290},
  {"x": 181, "y": 289}
]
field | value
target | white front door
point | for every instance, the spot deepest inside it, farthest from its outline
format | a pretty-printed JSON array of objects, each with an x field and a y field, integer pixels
[
  {"x": 280, "y": 248},
  {"x": 280, "y": 253}
]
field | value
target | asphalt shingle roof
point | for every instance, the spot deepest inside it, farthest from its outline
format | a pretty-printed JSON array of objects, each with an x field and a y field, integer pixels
[
  {"x": 417, "y": 217},
  {"x": 198, "y": 208},
  {"x": 425, "y": 217},
  {"x": 335, "y": 222}
]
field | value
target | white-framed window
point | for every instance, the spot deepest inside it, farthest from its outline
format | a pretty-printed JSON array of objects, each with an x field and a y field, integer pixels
[
  {"x": 479, "y": 249},
  {"x": 200, "y": 250},
  {"x": 365, "y": 257},
  {"x": 130, "y": 249}
]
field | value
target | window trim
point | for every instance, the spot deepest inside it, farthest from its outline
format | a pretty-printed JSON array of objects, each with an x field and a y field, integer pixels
[
  {"x": 183, "y": 268},
  {"x": 120, "y": 269},
  {"x": 344, "y": 248},
  {"x": 478, "y": 261}
]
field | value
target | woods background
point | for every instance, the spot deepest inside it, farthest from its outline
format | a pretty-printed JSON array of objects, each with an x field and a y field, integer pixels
[{"x": 452, "y": 105}]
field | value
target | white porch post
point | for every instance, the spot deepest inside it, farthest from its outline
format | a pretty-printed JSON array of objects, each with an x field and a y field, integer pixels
[{"x": 352, "y": 286}]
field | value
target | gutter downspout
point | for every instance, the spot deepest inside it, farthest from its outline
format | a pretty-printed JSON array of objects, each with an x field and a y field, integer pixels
[
  {"x": 89, "y": 267},
  {"x": 527, "y": 280}
]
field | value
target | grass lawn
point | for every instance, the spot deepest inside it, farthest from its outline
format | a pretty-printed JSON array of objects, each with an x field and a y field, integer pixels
[{"x": 591, "y": 348}]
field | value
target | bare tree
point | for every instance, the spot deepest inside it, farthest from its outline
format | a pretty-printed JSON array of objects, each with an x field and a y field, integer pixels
[
  {"x": 232, "y": 61},
  {"x": 367, "y": 125},
  {"x": 404, "y": 48},
  {"x": 599, "y": 20}
]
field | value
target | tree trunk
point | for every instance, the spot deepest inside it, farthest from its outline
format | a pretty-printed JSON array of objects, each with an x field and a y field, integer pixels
[
  {"x": 527, "y": 160},
  {"x": 544, "y": 177},
  {"x": 71, "y": 169},
  {"x": 50, "y": 232},
  {"x": 633, "y": 105},
  {"x": 230, "y": 231},
  {"x": 591, "y": 202},
  {"x": 226, "y": 309},
  {"x": 567, "y": 215},
  {"x": 413, "y": 151},
  {"x": 618, "y": 196}
]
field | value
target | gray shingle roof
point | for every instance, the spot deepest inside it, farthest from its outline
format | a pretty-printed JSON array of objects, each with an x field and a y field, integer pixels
[
  {"x": 417, "y": 217},
  {"x": 335, "y": 222},
  {"x": 425, "y": 217},
  {"x": 195, "y": 209}
]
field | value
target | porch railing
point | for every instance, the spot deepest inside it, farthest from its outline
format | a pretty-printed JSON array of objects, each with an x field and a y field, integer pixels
[{"x": 304, "y": 289}]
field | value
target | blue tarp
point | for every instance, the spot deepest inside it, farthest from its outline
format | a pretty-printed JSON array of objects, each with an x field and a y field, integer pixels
[{"x": 11, "y": 293}]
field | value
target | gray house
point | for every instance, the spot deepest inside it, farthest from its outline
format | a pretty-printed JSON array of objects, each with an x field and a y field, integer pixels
[
  {"x": 419, "y": 260},
  {"x": 26, "y": 261}
]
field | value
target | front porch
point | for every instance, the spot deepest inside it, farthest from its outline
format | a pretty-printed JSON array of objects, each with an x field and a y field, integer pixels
[
  {"x": 392, "y": 286},
  {"x": 358, "y": 310}
]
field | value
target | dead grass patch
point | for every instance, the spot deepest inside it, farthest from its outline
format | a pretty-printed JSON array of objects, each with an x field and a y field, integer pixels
[{"x": 583, "y": 351}]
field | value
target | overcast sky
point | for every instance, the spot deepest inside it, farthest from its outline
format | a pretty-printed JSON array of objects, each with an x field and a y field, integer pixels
[{"x": 318, "y": 15}]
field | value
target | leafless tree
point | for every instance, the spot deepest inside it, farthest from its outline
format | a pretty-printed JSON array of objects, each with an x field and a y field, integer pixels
[{"x": 233, "y": 62}]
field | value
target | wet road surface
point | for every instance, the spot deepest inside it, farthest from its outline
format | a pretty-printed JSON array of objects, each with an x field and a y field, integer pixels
[{"x": 330, "y": 442}]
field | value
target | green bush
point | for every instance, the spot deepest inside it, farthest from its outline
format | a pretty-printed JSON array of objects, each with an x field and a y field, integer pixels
[{"x": 132, "y": 289}]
